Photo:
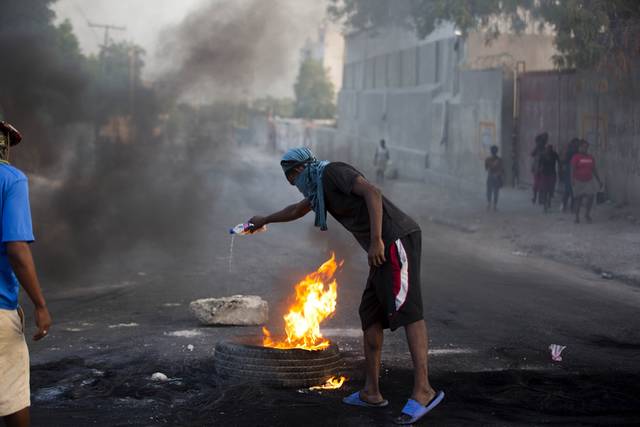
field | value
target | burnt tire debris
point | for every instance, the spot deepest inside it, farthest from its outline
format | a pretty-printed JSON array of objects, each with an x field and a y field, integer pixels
[
  {"x": 119, "y": 392},
  {"x": 245, "y": 360}
]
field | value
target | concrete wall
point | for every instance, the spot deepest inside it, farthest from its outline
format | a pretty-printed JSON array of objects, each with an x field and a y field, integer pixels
[{"x": 438, "y": 120}]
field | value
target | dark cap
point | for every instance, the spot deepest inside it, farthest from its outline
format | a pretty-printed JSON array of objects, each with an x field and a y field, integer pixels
[{"x": 14, "y": 136}]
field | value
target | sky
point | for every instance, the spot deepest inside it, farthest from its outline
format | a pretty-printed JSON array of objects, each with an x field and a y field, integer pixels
[{"x": 145, "y": 20}]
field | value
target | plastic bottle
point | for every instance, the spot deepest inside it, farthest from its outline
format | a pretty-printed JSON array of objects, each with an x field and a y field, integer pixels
[{"x": 247, "y": 228}]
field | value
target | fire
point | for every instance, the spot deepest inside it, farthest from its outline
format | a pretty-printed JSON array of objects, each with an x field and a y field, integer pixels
[
  {"x": 331, "y": 384},
  {"x": 316, "y": 297}
]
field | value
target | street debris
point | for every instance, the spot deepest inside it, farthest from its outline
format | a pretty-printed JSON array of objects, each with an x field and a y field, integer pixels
[
  {"x": 556, "y": 350},
  {"x": 186, "y": 333},
  {"x": 159, "y": 376},
  {"x": 236, "y": 310},
  {"x": 124, "y": 325}
]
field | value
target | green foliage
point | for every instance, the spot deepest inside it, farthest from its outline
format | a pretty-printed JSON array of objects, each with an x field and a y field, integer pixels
[
  {"x": 314, "y": 92},
  {"x": 281, "y": 107},
  {"x": 47, "y": 82},
  {"x": 114, "y": 73},
  {"x": 588, "y": 32}
]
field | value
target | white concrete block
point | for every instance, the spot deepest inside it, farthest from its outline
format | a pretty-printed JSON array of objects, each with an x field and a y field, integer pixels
[{"x": 238, "y": 310}]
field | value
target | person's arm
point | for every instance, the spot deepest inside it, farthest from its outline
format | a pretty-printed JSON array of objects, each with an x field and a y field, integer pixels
[
  {"x": 290, "y": 213},
  {"x": 21, "y": 261},
  {"x": 595, "y": 173},
  {"x": 373, "y": 198}
]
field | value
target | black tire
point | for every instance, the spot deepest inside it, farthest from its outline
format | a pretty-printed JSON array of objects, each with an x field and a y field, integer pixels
[{"x": 246, "y": 360}]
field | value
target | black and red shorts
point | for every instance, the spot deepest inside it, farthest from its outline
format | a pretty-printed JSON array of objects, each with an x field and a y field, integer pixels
[{"x": 392, "y": 295}]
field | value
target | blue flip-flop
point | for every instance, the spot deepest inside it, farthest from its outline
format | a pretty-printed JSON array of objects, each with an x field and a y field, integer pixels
[
  {"x": 354, "y": 399},
  {"x": 414, "y": 410}
]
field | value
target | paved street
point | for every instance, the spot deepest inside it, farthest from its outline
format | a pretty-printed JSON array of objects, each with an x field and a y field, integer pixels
[{"x": 491, "y": 317}]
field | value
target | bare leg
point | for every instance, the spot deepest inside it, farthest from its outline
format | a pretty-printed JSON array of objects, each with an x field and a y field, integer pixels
[
  {"x": 373, "y": 337},
  {"x": 589, "y": 206},
  {"x": 418, "y": 346},
  {"x": 18, "y": 419},
  {"x": 578, "y": 206}
]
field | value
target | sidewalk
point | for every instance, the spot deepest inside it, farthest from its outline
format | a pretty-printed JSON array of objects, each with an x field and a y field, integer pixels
[{"x": 610, "y": 246}]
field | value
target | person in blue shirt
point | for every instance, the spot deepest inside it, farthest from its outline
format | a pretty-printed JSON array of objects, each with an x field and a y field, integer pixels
[{"x": 16, "y": 268}]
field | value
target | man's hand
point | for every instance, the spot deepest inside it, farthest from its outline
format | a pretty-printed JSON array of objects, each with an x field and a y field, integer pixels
[
  {"x": 258, "y": 221},
  {"x": 43, "y": 322},
  {"x": 376, "y": 253}
]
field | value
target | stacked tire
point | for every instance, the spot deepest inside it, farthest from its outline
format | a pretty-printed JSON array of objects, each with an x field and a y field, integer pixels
[{"x": 245, "y": 360}]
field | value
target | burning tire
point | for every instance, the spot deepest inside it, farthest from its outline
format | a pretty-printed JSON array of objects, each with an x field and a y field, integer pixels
[{"x": 246, "y": 360}]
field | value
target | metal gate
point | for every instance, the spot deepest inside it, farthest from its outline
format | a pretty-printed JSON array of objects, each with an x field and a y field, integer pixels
[{"x": 547, "y": 103}]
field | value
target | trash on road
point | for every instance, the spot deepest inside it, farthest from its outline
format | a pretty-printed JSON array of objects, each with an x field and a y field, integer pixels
[
  {"x": 159, "y": 376},
  {"x": 556, "y": 350}
]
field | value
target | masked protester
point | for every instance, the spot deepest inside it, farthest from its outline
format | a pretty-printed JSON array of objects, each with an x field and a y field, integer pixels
[
  {"x": 16, "y": 268},
  {"x": 392, "y": 296}
]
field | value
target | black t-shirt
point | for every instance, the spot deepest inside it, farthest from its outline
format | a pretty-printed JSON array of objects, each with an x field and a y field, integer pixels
[
  {"x": 351, "y": 210},
  {"x": 548, "y": 161}
]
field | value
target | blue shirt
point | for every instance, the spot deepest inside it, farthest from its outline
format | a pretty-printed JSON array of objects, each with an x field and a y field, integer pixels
[{"x": 16, "y": 227}]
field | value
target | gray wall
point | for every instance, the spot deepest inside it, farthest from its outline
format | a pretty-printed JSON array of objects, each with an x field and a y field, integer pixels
[{"x": 437, "y": 119}]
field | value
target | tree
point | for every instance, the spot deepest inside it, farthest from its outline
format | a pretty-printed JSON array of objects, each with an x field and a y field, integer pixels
[
  {"x": 587, "y": 32},
  {"x": 281, "y": 107},
  {"x": 314, "y": 92}
]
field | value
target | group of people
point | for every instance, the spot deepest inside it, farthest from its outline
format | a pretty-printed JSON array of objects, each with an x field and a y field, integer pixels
[{"x": 576, "y": 170}]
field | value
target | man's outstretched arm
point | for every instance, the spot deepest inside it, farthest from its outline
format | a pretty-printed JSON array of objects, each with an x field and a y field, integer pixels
[
  {"x": 373, "y": 198},
  {"x": 24, "y": 268},
  {"x": 290, "y": 213}
]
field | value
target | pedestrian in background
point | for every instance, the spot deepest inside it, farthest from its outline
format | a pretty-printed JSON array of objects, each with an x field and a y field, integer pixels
[
  {"x": 380, "y": 161},
  {"x": 541, "y": 142},
  {"x": 547, "y": 171},
  {"x": 584, "y": 175},
  {"x": 495, "y": 175},
  {"x": 565, "y": 175},
  {"x": 16, "y": 268}
]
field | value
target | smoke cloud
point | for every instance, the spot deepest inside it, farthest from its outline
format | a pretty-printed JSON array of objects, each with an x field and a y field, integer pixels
[{"x": 233, "y": 49}]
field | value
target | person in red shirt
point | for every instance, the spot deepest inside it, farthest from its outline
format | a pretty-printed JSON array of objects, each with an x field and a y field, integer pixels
[{"x": 583, "y": 172}]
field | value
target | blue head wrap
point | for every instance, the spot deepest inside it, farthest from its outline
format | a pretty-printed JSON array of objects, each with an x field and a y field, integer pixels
[{"x": 309, "y": 181}]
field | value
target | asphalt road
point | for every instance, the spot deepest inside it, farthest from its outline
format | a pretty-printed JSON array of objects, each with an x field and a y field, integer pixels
[{"x": 491, "y": 318}]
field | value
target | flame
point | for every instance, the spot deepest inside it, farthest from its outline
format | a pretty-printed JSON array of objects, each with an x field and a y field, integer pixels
[
  {"x": 316, "y": 297},
  {"x": 331, "y": 384}
]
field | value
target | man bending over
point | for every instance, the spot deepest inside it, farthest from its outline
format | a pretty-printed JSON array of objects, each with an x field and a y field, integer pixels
[{"x": 392, "y": 296}]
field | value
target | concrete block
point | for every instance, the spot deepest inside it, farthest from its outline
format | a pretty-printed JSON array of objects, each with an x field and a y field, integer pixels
[{"x": 236, "y": 310}]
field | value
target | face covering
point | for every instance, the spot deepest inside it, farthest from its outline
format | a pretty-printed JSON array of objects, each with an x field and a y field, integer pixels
[{"x": 309, "y": 181}]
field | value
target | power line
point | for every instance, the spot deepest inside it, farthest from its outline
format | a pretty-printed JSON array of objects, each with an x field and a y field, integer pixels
[
  {"x": 84, "y": 16},
  {"x": 106, "y": 28}
]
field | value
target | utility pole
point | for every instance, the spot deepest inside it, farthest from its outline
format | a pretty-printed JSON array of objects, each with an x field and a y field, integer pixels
[{"x": 106, "y": 28}]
